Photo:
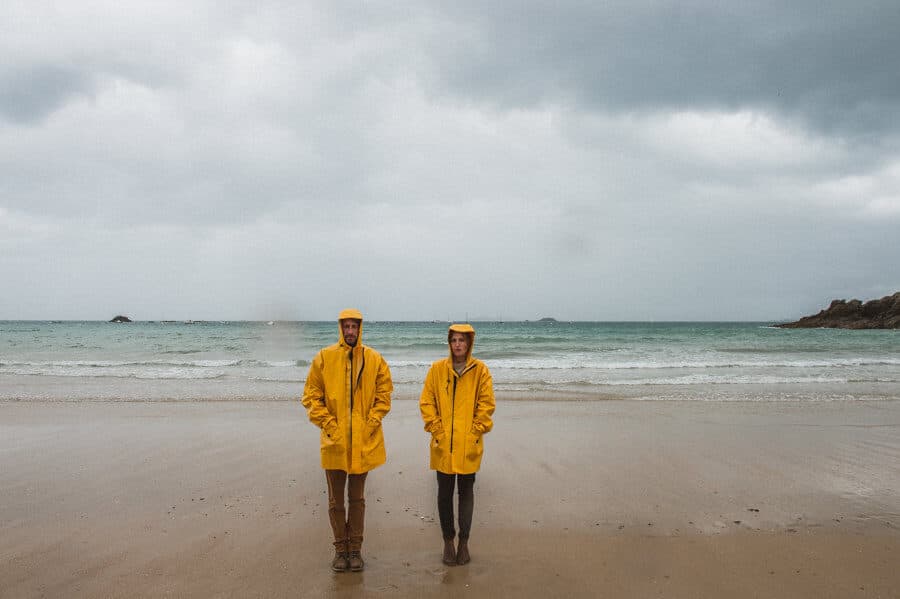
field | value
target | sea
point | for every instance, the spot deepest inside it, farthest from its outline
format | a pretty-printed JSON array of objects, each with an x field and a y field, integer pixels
[{"x": 546, "y": 360}]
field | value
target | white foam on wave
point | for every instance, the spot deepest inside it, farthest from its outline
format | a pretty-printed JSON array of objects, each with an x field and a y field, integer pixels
[
  {"x": 121, "y": 363},
  {"x": 118, "y": 373},
  {"x": 693, "y": 379},
  {"x": 409, "y": 363},
  {"x": 276, "y": 379},
  {"x": 121, "y": 369},
  {"x": 576, "y": 364},
  {"x": 175, "y": 373},
  {"x": 221, "y": 363},
  {"x": 706, "y": 379}
]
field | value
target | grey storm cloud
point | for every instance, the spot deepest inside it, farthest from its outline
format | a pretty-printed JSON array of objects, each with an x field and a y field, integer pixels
[
  {"x": 29, "y": 94},
  {"x": 620, "y": 160},
  {"x": 829, "y": 65}
]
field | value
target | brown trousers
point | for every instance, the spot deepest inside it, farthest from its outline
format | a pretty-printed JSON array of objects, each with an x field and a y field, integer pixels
[{"x": 346, "y": 523}]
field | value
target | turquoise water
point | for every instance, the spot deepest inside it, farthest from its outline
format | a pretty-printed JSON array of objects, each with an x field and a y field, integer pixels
[{"x": 258, "y": 360}]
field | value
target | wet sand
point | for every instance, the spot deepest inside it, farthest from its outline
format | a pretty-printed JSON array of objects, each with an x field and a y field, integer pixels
[{"x": 604, "y": 498}]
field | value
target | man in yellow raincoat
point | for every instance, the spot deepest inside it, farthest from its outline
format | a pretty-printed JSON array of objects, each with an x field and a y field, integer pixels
[
  {"x": 347, "y": 393},
  {"x": 457, "y": 403}
]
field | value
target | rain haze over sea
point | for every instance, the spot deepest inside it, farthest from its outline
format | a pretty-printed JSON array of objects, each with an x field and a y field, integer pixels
[{"x": 89, "y": 360}]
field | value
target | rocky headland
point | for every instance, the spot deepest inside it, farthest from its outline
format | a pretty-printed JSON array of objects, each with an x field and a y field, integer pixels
[{"x": 881, "y": 313}]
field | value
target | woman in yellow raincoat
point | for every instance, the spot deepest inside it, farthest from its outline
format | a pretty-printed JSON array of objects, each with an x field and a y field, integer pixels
[{"x": 457, "y": 403}]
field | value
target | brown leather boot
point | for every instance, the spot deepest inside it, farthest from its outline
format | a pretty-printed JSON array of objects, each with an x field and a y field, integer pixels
[
  {"x": 340, "y": 563},
  {"x": 449, "y": 553},
  {"x": 356, "y": 562},
  {"x": 462, "y": 552}
]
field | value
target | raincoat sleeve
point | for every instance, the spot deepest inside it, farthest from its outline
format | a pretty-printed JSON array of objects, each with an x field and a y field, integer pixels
[
  {"x": 484, "y": 404},
  {"x": 314, "y": 398},
  {"x": 428, "y": 405},
  {"x": 383, "y": 388}
]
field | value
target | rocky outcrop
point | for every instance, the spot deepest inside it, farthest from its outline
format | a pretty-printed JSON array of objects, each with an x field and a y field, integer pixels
[
  {"x": 881, "y": 313},
  {"x": 120, "y": 318}
]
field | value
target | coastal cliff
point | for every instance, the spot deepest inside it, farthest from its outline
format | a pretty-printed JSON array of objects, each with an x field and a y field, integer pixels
[{"x": 881, "y": 313}]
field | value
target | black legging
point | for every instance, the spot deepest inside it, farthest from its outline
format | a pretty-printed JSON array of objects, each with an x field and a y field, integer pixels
[{"x": 446, "y": 483}]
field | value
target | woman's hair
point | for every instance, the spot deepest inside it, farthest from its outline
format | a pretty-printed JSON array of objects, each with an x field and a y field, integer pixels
[{"x": 468, "y": 336}]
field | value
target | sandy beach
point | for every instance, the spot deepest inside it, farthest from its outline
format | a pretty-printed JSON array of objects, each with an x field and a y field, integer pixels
[{"x": 602, "y": 498}]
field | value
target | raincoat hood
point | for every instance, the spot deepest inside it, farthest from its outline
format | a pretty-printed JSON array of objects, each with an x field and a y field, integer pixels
[
  {"x": 465, "y": 329},
  {"x": 355, "y": 315}
]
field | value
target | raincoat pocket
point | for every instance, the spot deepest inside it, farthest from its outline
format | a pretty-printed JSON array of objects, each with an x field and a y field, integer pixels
[
  {"x": 373, "y": 439},
  {"x": 330, "y": 440},
  {"x": 474, "y": 448},
  {"x": 332, "y": 445},
  {"x": 437, "y": 445}
]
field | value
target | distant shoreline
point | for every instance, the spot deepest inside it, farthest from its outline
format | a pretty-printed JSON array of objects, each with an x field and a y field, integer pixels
[{"x": 769, "y": 322}]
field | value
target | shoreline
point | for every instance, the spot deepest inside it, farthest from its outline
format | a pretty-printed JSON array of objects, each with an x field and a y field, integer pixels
[
  {"x": 200, "y": 499},
  {"x": 19, "y": 388}
]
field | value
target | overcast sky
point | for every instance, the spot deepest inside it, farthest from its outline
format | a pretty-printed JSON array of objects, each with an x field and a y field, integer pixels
[{"x": 583, "y": 160}]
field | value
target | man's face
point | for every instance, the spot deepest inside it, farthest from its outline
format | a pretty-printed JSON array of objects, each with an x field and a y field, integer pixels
[
  {"x": 459, "y": 345},
  {"x": 350, "y": 329}
]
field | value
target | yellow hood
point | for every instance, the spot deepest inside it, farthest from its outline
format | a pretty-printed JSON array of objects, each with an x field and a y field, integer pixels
[
  {"x": 354, "y": 314},
  {"x": 467, "y": 330}
]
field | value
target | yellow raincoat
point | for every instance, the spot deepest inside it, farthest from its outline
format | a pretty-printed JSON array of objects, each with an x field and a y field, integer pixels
[
  {"x": 347, "y": 393},
  {"x": 457, "y": 410}
]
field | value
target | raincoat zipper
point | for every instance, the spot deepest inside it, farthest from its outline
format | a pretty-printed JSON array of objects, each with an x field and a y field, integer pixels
[
  {"x": 350, "y": 379},
  {"x": 453, "y": 411},
  {"x": 358, "y": 379},
  {"x": 453, "y": 401}
]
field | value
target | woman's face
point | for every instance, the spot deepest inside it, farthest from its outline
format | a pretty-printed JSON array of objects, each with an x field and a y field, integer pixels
[{"x": 459, "y": 345}]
